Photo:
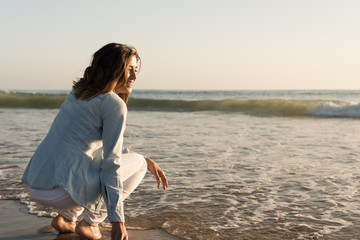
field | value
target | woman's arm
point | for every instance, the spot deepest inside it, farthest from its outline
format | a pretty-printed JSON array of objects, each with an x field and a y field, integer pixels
[
  {"x": 157, "y": 172},
  {"x": 114, "y": 117}
]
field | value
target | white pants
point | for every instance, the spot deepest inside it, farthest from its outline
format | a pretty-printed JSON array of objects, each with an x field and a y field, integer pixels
[{"x": 132, "y": 171}]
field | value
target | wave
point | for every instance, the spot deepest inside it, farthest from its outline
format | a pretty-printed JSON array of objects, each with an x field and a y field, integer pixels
[
  {"x": 262, "y": 107},
  {"x": 268, "y": 107},
  {"x": 31, "y": 100}
]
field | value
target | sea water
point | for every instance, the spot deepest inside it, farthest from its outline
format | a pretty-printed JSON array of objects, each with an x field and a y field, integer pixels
[{"x": 240, "y": 164}]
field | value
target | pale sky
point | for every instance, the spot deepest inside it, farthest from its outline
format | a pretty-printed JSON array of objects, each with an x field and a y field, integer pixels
[{"x": 185, "y": 44}]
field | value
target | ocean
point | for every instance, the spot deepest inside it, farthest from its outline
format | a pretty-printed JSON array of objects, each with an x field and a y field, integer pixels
[{"x": 240, "y": 164}]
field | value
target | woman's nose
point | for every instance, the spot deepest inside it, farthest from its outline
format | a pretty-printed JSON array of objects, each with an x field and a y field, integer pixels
[{"x": 133, "y": 75}]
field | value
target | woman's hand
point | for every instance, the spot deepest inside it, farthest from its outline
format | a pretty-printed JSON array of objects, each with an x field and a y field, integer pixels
[
  {"x": 157, "y": 172},
  {"x": 118, "y": 231}
]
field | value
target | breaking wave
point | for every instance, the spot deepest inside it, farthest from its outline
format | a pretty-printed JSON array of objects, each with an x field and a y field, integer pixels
[
  {"x": 31, "y": 100},
  {"x": 261, "y": 107}
]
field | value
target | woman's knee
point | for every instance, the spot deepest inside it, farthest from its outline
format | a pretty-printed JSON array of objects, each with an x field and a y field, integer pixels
[
  {"x": 142, "y": 162},
  {"x": 136, "y": 159}
]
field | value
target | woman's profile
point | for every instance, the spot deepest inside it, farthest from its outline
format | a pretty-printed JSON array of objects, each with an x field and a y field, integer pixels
[{"x": 80, "y": 166}]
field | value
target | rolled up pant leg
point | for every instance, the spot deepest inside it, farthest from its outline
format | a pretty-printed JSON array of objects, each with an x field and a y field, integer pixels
[{"x": 58, "y": 198}]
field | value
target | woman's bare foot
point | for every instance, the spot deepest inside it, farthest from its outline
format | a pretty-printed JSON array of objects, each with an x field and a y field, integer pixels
[
  {"x": 63, "y": 225},
  {"x": 84, "y": 229}
]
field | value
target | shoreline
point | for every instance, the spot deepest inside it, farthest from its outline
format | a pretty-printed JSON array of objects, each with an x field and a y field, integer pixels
[{"x": 17, "y": 224}]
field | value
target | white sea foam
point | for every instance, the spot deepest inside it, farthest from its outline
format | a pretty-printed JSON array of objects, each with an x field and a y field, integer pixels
[
  {"x": 53, "y": 214},
  {"x": 42, "y": 214},
  {"x": 331, "y": 109}
]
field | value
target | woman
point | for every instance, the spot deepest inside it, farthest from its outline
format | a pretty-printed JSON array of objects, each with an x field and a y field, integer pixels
[{"x": 80, "y": 165}]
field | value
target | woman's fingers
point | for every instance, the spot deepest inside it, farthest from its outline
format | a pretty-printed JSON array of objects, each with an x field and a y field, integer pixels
[
  {"x": 157, "y": 177},
  {"x": 158, "y": 180},
  {"x": 158, "y": 173},
  {"x": 163, "y": 179},
  {"x": 158, "y": 183}
]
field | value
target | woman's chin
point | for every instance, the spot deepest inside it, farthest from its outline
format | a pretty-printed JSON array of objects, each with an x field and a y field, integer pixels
[{"x": 128, "y": 90}]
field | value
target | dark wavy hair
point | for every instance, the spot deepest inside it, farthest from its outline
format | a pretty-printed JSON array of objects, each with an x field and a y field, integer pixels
[{"x": 109, "y": 64}]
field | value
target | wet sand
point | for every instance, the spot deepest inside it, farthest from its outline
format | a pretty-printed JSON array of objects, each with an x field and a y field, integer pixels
[{"x": 17, "y": 224}]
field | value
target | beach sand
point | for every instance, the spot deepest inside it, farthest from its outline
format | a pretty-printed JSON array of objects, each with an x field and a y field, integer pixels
[{"x": 16, "y": 224}]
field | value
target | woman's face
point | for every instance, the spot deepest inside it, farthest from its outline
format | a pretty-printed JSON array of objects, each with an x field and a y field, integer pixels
[{"x": 127, "y": 88}]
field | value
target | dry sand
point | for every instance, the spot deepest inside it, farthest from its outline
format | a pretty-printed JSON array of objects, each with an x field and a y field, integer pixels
[{"x": 17, "y": 224}]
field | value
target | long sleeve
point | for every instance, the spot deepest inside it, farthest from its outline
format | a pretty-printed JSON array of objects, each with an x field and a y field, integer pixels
[{"x": 114, "y": 118}]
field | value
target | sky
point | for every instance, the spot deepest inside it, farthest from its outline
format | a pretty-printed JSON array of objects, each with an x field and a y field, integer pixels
[{"x": 185, "y": 44}]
